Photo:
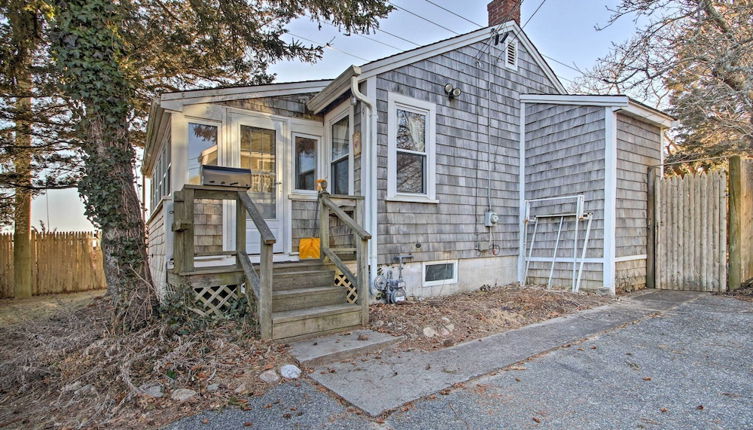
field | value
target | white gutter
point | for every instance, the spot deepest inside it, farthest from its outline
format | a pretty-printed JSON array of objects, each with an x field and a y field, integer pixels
[{"x": 369, "y": 144}]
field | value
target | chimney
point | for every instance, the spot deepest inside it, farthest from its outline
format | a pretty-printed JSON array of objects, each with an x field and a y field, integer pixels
[{"x": 501, "y": 11}]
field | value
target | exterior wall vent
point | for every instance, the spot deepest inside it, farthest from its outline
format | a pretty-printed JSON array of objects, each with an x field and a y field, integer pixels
[{"x": 511, "y": 54}]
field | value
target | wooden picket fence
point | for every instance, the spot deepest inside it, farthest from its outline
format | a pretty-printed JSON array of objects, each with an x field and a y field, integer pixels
[
  {"x": 691, "y": 233},
  {"x": 63, "y": 262}
]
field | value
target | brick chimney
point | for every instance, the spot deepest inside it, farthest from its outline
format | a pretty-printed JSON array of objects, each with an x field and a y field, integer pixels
[{"x": 502, "y": 11}]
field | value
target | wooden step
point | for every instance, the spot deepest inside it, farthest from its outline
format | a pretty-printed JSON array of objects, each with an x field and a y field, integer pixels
[
  {"x": 208, "y": 276},
  {"x": 295, "y": 266},
  {"x": 294, "y": 280},
  {"x": 302, "y": 322},
  {"x": 288, "y": 300}
]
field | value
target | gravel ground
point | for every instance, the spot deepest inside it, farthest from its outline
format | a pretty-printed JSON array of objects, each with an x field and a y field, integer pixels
[{"x": 685, "y": 369}]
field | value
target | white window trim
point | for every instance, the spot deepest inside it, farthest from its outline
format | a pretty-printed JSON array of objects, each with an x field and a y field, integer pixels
[
  {"x": 454, "y": 279},
  {"x": 395, "y": 101},
  {"x": 340, "y": 112},
  {"x": 220, "y": 132},
  {"x": 296, "y": 191},
  {"x": 513, "y": 42}
]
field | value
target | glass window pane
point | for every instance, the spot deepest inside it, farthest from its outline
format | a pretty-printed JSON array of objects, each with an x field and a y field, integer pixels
[
  {"x": 439, "y": 272},
  {"x": 305, "y": 163},
  {"x": 340, "y": 139},
  {"x": 258, "y": 153},
  {"x": 202, "y": 149},
  {"x": 411, "y": 131},
  {"x": 340, "y": 176},
  {"x": 410, "y": 173}
]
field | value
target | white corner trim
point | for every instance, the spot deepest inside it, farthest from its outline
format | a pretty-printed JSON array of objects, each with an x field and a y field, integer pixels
[
  {"x": 395, "y": 101},
  {"x": 370, "y": 148},
  {"x": 631, "y": 258},
  {"x": 610, "y": 196},
  {"x": 522, "y": 193}
]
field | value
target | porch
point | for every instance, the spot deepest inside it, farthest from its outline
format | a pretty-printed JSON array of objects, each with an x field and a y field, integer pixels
[{"x": 289, "y": 299}]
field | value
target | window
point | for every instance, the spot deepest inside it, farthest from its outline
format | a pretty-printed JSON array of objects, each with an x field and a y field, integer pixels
[
  {"x": 511, "y": 54},
  {"x": 440, "y": 273},
  {"x": 259, "y": 154},
  {"x": 202, "y": 149},
  {"x": 411, "y": 143},
  {"x": 340, "y": 157},
  {"x": 160, "y": 179},
  {"x": 305, "y": 162}
]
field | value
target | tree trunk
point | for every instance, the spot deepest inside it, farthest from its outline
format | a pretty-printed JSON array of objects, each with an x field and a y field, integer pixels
[
  {"x": 22, "y": 22},
  {"x": 110, "y": 162}
]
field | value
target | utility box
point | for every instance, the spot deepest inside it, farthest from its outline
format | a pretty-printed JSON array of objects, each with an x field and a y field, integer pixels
[{"x": 490, "y": 219}]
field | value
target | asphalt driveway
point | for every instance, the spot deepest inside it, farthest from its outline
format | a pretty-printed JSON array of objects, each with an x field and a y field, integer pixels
[{"x": 689, "y": 366}]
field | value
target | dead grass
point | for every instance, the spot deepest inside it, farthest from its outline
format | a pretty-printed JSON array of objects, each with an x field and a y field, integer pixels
[
  {"x": 13, "y": 311},
  {"x": 468, "y": 316},
  {"x": 745, "y": 292},
  {"x": 70, "y": 371}
]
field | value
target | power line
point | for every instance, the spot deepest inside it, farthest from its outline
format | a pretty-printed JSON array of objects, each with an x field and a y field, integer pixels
[
  {"x": 398, "y": 37},
  {"x": 328, "y": 45},
  {"x": 380, "y": 42},
  {"x": 456, "y": 14},
  {"x": 534, "y": 13},
  {"x": 426, "y": 19}
]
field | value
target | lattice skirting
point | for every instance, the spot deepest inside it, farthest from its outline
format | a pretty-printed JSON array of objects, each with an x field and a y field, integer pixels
[
  {"x": 342, "y": 281},
  {"x": 216, "y": 299}
]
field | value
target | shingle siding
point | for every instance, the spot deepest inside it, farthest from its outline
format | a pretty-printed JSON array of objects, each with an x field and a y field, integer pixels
[
  {"x": 452, "y": 228},
  {"x": 638, "y": 147},
  {"x": 565, "y": 156}
]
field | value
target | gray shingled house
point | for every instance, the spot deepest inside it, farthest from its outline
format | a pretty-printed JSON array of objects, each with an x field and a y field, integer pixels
[{"x": 467, "y": 157}]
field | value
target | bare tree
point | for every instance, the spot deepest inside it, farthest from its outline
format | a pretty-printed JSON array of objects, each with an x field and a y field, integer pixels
[{"x": 694, "y": 58}]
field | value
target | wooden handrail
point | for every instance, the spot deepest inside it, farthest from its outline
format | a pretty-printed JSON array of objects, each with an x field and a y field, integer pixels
[
  {"x": 256, "y": 216},
  {"x": 350, "y": 222},
  {"x": 361, "y": 237},
  {"x": 260, "y": 283}
]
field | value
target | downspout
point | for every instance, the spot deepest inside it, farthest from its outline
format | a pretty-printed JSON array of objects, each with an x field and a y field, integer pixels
[{"x": 371, "y": 200}]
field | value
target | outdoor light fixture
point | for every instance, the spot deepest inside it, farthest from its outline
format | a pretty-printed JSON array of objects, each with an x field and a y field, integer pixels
[{"x": 452, "y": 92}]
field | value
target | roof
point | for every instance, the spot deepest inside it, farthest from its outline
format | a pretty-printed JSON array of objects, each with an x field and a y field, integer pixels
[
  {"x": 620, "y": 101},
  {"x": 373, "y": 68}
]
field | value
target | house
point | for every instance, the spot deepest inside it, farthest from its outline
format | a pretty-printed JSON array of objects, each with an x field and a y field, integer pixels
[{"x": 471, "y": 163}]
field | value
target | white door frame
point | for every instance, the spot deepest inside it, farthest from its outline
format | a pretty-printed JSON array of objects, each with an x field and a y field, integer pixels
[{"x": 281, "y": 128}]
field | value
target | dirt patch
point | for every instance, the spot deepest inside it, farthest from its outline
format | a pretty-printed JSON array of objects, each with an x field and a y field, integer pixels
[
  {"x": 445, "y": 321},
  {"x": 13, "y": 311},
  {"x": 70, "y": 371}
]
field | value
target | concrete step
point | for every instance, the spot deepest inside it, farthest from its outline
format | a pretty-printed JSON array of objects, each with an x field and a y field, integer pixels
[
  {"x": 301, "y": 322},
  {"x": 288, "y": 300},
  {"x": 336, "y": 347},
  {"x": 294, "y": 280}
]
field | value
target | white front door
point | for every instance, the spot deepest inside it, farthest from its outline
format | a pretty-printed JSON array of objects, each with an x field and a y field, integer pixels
[{"x": 258, "y": 145}]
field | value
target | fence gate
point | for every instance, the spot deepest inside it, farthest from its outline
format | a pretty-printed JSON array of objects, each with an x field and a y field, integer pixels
[{"x": 691, "y": 232}]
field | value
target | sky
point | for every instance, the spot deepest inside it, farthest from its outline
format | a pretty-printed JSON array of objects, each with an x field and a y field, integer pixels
[{"x": 562, "y": 30}]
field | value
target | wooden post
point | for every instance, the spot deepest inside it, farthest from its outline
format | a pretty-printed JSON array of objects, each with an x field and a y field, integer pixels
[
  {"x": 188, "y": 233},
  {"x": 265, "y": 290},
  {"x": 651, "y": 230},
  {"x": 323, "y": 225},
  {"x": 734, "y": 279},
  {"x": 240, "y": 230}
]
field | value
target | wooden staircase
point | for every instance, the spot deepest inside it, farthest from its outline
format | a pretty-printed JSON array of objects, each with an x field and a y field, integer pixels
[
  {"x": 306, "y": 301},
  {"x": 294, "y": 299}
]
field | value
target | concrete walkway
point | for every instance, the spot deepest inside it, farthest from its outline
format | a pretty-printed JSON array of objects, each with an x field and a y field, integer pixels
[{"x": 659, "y": 360}]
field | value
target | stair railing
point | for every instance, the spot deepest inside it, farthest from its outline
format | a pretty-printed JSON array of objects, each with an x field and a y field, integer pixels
[
  {"x": 327, "y": 207},
  {"x": 260, "y": 284}
]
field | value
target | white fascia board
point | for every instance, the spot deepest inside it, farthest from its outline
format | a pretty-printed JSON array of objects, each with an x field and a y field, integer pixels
[
  {"x": 176, "y": 101},
  {"x": 412, "y": 56},
  {"x": 332, "y": 91},
  {"x": 614, "y": 101},
  {"x": 649, "y": 115}
]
